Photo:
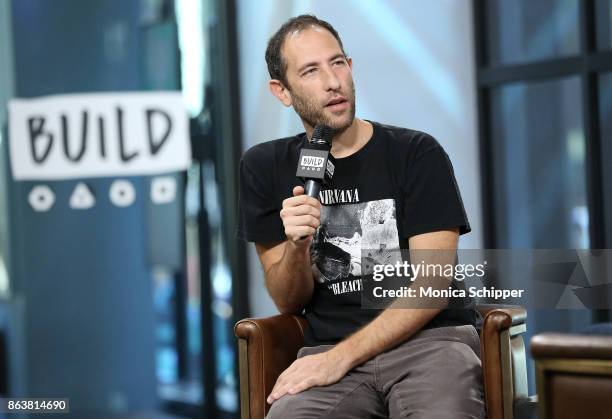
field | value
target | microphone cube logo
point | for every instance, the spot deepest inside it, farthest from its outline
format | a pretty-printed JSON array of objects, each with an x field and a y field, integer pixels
[{"x": 312, "y": 163}]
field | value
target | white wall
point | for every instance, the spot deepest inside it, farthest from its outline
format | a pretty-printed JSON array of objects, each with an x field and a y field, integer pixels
[{"x": 413, "y": 65}]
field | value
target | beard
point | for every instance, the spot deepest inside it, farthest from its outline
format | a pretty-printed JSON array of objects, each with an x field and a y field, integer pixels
[{"x": 311, "y": 112}]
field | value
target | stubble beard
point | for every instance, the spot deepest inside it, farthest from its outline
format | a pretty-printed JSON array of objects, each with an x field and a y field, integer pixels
[{"x": 313, "y": 114}]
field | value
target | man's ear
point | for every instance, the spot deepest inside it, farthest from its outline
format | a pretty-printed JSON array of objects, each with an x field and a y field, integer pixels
[
  {"x": 349, "y": 60},
  {"x": 278, "y": 89}
]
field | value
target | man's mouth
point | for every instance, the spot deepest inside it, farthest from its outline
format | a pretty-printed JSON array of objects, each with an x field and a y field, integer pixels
[{"x": 337, "y": 104}]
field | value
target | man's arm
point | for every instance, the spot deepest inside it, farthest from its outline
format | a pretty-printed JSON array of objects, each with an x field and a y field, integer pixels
[
  {"x": 395, "y": 325},
  {"x": 389, "y": 329},
  {"x": 288, "y": 275},
  {"x": 286, "y": 265}
]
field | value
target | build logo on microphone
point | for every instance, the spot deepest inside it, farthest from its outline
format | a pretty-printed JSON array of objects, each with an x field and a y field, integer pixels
[{"x": 312, "y": 163}]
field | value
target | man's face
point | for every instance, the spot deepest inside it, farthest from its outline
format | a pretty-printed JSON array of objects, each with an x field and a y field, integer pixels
[{"x": 319, "y": 79}]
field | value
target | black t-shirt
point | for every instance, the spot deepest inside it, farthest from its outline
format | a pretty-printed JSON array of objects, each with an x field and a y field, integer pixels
[{"x": 400, "y": 184}]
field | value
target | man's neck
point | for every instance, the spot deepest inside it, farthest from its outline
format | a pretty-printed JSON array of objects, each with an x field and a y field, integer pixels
[{"x": 351, "y": 139}]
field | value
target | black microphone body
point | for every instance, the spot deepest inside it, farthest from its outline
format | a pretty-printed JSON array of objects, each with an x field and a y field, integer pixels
[
  {"x": 312, "y": 187},
  {"x": 315, "y": 164}
]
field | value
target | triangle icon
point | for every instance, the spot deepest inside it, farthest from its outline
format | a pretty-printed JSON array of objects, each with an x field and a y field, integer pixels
[{"x": 81, "y": 197}]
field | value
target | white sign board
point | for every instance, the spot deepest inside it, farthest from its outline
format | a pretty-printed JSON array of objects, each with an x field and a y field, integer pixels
[{"x": 98, "y": 134}]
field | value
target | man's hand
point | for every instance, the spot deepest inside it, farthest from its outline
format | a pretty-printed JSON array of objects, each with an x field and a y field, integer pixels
[
  {"x": 311, "y": 370},
  {"x": 301, "y": 215},
  {"x": 287, "y": 264}
]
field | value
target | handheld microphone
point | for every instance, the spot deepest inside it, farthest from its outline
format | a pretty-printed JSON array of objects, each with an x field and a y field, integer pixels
[{"x": 315, "y": 165}]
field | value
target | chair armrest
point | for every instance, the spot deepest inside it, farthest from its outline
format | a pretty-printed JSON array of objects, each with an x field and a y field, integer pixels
[
  {"x": 573, "y": 375},
  {"x": 267, "y": 346},
  {"x": 280, "y": 324},
  {"x": 504, "y": 362},
  {"x": 501, "y": 317},
  {"x": 557, "y": 345}
]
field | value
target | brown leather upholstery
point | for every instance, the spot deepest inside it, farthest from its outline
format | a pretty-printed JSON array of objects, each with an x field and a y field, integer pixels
[
  {"x": 269, "y": 345},
  {"x": 560, "y": 345},
  {"x": 266, "y": 348},
  {"x": 573, "y": 375},
  {"x": 504, "y": 363}
]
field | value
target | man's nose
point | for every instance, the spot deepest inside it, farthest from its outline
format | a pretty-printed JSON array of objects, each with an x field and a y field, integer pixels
[{"x": 331, "y": 80}]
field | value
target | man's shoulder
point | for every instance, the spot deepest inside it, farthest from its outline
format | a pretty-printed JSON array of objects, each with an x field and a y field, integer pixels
[
  {"x": 267, "y": 151},
  {"x": 409, "y": 140}
]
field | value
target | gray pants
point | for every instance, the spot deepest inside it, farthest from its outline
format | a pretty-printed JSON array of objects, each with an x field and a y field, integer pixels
[{"x": 435, "y": 374}]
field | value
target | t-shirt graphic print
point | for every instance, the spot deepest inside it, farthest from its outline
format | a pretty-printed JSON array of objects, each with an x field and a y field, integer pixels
[{"x": 347, "y": 230}]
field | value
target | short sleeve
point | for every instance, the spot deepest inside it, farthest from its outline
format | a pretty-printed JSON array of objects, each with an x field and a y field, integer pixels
[
  {"x": 432, "y": 201},
  {"x": 258, "y": 212}
]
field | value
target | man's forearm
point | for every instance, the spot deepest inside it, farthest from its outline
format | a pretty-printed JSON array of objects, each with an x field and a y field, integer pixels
[
  {"x": 389, "y": 329},
  {"x": 290, "y": 281},
  {"x": 395, "y": 325}
]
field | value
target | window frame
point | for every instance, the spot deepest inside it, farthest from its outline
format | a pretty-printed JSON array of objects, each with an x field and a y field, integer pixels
[{"x": 589, "y": 64}]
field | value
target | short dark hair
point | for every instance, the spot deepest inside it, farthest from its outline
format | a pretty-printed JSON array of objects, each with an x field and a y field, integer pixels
[{"x": 277, "y": 66}]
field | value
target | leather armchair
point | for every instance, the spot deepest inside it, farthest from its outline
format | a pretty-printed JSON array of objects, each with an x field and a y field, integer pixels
[
  {"x": 267, "y": 346},
  {"x": 573, "y": 375}
]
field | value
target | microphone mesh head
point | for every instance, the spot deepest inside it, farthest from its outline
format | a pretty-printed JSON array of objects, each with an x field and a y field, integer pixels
[{"x": 322, "y": 133}]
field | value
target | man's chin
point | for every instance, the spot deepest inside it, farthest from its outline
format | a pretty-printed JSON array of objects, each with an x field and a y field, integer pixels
[
  {"x": 337, "y": 121},
  {"x": 340, "y": 125}
]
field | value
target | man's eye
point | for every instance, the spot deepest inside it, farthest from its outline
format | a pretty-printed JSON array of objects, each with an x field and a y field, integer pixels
[
  {"x": 339, "y": 62},
  {"x": 310, "y": 71}
]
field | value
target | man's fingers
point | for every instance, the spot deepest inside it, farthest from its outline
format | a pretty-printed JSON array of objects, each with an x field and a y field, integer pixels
[
  {"x": 281, "y": 383},
  {"x": 303, "y": 374},
  {"x": 301, "y": 200},
  {"x": 292, "y": 386},
  {"x": 298, "y": 190},
  {"x": 298, "y": 232},
  {"x": 301, "y": 386},
  {"x": 300, "y": 210},
  {"x": 276, "y": 394},
  {"x": 302, "y": 220},
  {"x": 282, "y": 379}
]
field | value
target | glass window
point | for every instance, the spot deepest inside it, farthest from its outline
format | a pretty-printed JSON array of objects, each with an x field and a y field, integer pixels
[
  {"x": 605, "y": 109},
  {"x": 206, "y": 212},
  {"x": 4, "y": 279},
  {"x": 603, "y": 22},
  {"x": 539, "y": 165},
  {"x": 520, "y": 31},
  {"x": 6, "y": 87}
]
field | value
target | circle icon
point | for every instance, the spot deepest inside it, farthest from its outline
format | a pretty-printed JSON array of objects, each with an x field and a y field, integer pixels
[
  {"x": 122, "y": 193},
  {"x": 41, "y": 198},
  {"x": 163, "y": 190}
]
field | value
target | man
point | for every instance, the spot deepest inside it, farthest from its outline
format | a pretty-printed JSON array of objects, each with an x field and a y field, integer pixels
[{"x": 392, "y": 188}]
